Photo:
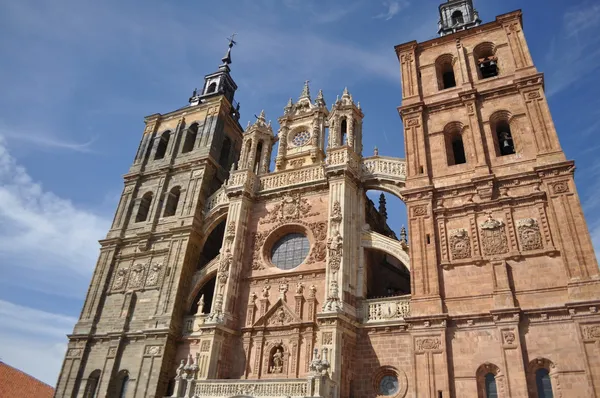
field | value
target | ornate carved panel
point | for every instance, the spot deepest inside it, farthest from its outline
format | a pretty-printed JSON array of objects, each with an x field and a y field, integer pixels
[
  {"x": 529, "y": 234},
  {"x": 460, "y": 244},
  {"x": 493, "y": 237}
]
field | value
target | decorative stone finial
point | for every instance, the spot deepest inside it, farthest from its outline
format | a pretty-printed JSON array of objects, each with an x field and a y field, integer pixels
[
  {"x": 403, "y": 239},
  {"x": 305, "y": 90},
  {"x": 376, "y": 152},
  {"x": 260, "y": 119},
  {"x": 288, "y": 107},
  {"x": 320, "y": 101}
]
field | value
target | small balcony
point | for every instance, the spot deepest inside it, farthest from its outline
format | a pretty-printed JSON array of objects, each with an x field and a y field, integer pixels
[{"x": 386, "y": 309}]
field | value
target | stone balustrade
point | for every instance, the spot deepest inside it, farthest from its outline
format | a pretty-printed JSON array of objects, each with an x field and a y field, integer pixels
[
  {"x": 291, "y": 177},
  {"x": 386, "y": 309},
  {"x": 216, "y": 199},
  {"x": 382, "y": 166}
]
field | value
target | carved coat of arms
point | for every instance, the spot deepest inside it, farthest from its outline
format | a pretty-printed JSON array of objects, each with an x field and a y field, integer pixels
[
  {"x": 493, "y": 238},
  {"x": 460, "y": 244},
  {"x": 529, "y": 234}
]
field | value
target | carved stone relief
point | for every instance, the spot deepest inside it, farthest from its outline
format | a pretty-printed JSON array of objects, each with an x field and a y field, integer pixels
[
  {"x": 560, "y": 187},
  {"x": 529, "y": 234},
  {"x": 120, "y": 279},
  {"x": 591, "y": 332},
  {"x": 419, "y": 211},
  {"x": 508, "y": 337},
  {"x": 153, "y": 350},
  {"x": 153, "y": 275},
  {"x": 290, "y": 207},
  {"x": 280, "y": 317},
  {"x": 493, "y": 237},
  {"x": 136, "y": 278},
  {"x": 460, "y": 244},
  {"x": 428, "y": 344}
]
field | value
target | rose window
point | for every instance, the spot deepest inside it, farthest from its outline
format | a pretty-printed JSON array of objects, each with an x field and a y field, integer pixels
[
  {"x": 389, "y": 385},
  {"x": 301, "y": 138},
  {"x": 290, "y": 251}
]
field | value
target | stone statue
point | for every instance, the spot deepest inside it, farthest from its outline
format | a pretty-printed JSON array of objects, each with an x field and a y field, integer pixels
[
  {"x": 200, "y": 310},
  {"x": 277, "y": 361},
  {"x": 265, "y": 291}
]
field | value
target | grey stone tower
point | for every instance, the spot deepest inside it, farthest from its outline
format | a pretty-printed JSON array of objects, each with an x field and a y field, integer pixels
[{"x": 125, "y": 340}]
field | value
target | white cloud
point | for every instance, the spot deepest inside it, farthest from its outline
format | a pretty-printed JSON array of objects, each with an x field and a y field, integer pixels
[
  {"x": 45, "y": 241},
  {"x": 393, "y": 8},
  {"x": 581, "y": 19},
  {"x": 33, "y": 341}
]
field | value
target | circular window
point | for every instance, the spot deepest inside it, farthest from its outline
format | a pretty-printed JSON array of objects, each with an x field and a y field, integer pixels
[
  {"x": 301, "y": 138},
  {"x": 290, "y": 251},
  {"x": 389, "y": 385}
]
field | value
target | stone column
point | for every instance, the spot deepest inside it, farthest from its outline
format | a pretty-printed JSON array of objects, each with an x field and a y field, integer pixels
[{"x": 476, "y": 147}]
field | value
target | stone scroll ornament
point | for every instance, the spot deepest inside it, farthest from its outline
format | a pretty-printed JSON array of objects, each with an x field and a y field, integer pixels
[
  {"x": 529, "y": 234},
  {"x": 493, "y": 237},
  {"x": 460, "y": 244}
]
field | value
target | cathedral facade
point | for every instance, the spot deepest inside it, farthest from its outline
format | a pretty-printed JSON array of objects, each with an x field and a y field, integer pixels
[{"x": 223, "y": 278}]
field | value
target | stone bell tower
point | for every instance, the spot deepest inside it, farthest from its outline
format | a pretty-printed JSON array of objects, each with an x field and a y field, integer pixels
[
  {"x": 505, "y": 281},
  {"x": 302, "y": 132},
  {"x": 124, "y": 343}
]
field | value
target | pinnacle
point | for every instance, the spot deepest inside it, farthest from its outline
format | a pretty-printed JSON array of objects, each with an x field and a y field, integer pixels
[{"x": 305, "y": 90}]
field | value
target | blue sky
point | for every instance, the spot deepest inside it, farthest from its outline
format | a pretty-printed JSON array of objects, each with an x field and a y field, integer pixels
[{"x": 78, "y": 76}]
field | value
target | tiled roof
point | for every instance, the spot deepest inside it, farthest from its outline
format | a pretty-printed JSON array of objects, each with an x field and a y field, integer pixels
[{"x": 14, "y": 383}]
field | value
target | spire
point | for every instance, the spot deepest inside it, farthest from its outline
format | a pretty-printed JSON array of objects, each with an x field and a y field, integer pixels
[
  {"x": 305, "y": 91},
  {"x": 347, "y": 97},
  {"x": 227, "y": 58},
  {"x": 382, "y": 206},
  {"x": 320, "y": 101},
  {"x": 260, "y": 120},
  {"x": 403, "y": 239},
  {"x": 288, "y": 107}
]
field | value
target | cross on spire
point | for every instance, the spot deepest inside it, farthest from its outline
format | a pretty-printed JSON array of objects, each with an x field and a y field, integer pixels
[{"x": 227, "y": 58}]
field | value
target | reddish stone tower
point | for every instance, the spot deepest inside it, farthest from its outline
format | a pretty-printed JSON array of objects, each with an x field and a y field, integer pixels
[{"x": 505, "y": 279}]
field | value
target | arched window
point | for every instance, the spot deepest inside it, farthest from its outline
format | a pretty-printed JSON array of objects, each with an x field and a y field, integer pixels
[
  {"x": 448, "y": 79},
  {"x": 211, "y": 88},
  {"x": 257, "y": 157},
  {"x": 92, "y": 384},
  {"x": 172, "y": 201},
  {"x": 246, "y": 155},
  {"x": 458, "y": 150},
  {"x": 444, "y": 66},
  {"x": 455, "y": 150},
  {"x": 225, "y": 149},
  {"x": 161, "y": 149},
  {"x": 486, "y": 60},
  {"x": 343, "y": 131},
  {"x": 123, "y": 382},
  {"x": 457, "y": 18},
  {"x": 190, "y": 138},
  {"x": 491, "y": 390},
  {"x": 144, "y": 208},
  {"x": 488, "y": 378},
  {"x": 506, "y": 145},
  {"x": 543, "y": 384}
]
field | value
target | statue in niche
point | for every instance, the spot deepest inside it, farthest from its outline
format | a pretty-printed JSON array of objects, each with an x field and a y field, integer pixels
[{"x": 277, "y": 361}]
